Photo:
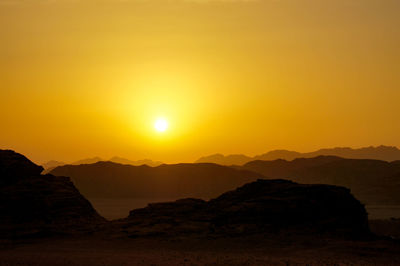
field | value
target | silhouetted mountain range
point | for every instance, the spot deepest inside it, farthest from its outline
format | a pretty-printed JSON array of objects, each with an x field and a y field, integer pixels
[
  {"x": 108, "y": 179},
  {"x": 50, "y": 165},
  {"x": 53, "y": 164},
  {"x": 384, "y": 153},
  {"x": 371, "y": 181}
]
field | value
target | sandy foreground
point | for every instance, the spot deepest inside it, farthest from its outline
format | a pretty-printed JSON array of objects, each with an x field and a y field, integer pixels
[{"x": 97, "y": 250}]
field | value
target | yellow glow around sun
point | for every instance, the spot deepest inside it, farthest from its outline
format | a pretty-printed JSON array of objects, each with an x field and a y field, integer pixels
[{"x": 161, "y": 125}]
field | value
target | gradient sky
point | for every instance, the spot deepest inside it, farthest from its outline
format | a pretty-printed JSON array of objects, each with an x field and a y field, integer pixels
[{"x": 83, "y": 78}]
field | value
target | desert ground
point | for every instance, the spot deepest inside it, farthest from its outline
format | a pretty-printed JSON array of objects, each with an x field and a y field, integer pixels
[{"x": 256, "y": 250}]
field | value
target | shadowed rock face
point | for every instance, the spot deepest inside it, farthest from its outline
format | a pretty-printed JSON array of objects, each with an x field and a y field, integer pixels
[
  {"x": 32, "y": 204},
  {"x": 264, "y": 206},
  {"x": 14, "y": 167}
]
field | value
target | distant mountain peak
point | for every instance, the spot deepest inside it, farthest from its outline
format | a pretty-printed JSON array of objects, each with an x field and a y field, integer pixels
[
  {"x": 382, "y": 152},
  {"x": 149, "y": 162},
  {"x": 232, "y": 159},
  {"x": 88, "y": 161},
  {"x": 50, "y": 165}
]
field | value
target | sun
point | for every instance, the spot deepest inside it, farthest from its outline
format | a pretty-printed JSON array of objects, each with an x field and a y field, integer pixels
[{"x": 161, "y": 125}]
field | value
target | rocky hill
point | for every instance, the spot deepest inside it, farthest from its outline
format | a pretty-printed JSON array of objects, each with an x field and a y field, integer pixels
[
  {"x": 34, "y": 204},
  {"x": 264, "y": 206}
]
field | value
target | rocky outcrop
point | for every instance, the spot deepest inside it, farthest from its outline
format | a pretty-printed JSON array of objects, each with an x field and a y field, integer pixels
[
  {"x": 14, "y": 167},
  {"x": 264, "y": 206},
  {"x": 34, "y": 204}
]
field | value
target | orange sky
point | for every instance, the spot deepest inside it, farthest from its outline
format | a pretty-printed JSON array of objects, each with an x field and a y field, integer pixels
[{"x": 83, "y": 78}]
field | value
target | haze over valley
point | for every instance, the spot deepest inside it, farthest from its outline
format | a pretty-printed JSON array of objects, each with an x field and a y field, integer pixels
[{"x": 374, "y": 182}]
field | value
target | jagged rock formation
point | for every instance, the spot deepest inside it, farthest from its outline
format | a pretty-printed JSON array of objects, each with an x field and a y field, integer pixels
[
  {"x": 264, "y": 206},
  {"x": 34, "y": 204}
]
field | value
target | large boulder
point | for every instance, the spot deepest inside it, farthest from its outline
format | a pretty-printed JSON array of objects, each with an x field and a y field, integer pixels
[
  {"x": 280, "y": 204},
  {"x": 264, "y": 206},
  {"x": 34, "y": 204}
]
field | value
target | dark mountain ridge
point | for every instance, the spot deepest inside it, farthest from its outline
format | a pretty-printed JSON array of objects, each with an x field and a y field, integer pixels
[
  {"x": 112, "y": 180},
  {"x": 371, "y": 181}
]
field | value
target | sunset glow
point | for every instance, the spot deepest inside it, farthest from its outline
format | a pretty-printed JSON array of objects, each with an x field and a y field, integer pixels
[
  {"x": 231, "y": 76},
  {"x": 201, "y": 132}
]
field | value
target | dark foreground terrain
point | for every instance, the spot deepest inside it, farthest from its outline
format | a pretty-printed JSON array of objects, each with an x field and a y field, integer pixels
[
  {"x": 105, "y": 249},
  {"x": 99, "y": 250},
  {"x": 44, "y": 220}
]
